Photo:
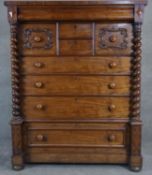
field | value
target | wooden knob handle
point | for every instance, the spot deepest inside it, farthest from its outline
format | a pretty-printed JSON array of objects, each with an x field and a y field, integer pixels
[
  {"x": 112, "y": 107},
  {"x": 40, "y": 137},
  {"x": 38, "y": 65},
  {"x": 112, "y": 86},
  {"x": 111, "y": 138},
  {"x": 112, "y": 65},
  {"x": 112, "y": 38},
  {"x": 39, "y": 107},
  {"x": 38, "y": 84},
  {"x": 37, "y": 39}
]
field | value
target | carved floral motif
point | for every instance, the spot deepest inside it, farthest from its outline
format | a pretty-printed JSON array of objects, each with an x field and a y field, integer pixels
[
  {"x": 113, "y": 38},
  {"x": 29, "y": 43}
]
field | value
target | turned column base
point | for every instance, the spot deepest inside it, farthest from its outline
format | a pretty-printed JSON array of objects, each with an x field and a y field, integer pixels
[
  {"x": 136, "y": 163},
  {"x": 17, "y": 162}
]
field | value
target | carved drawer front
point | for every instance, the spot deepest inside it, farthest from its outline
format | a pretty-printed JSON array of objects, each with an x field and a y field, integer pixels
[
  {"x": 114, "y": 39},
  {"x": 83, "y": 65},
  {"x": 75, "y": 107},
  {"x": 76, "y": 85},
  {"x": 37, "y": 39},
  {"x": 75, "y": 31},
  {"x": 79, "y": 135}
]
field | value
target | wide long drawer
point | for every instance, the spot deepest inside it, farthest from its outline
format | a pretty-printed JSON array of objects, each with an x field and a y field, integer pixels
[
  {"x": 79, "y": 138},
  {"x": 76, "y": 142},
  {"x": 83, "y": 108},
  {"x": 84, "y": 65},
  {"x": 79, "y": 12},
  {"x": 80, "y": 135},
  {"x": 76, "y": 85}
]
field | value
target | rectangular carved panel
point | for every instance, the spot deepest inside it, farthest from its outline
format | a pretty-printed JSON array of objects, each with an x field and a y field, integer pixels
[
  {"x": 37, "y": 39},
  {"x": 114, "y": 39}
]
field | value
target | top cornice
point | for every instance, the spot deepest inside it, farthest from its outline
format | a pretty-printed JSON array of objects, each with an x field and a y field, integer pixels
[{"x": 73, "y": 2}]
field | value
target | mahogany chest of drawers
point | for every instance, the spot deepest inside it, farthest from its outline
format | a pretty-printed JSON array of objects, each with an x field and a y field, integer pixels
[{"x": 76, "y": 81}]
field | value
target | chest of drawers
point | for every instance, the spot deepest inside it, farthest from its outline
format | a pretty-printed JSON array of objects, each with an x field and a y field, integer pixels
[{"x": 76, "y": 81}]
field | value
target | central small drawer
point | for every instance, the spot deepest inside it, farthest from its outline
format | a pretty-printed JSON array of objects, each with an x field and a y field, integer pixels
[
  {"x": 75, "y": 47},
  {"x": 75, "y": 31}
]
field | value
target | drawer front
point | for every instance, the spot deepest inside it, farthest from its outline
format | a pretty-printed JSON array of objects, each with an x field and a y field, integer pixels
[
  {"x": 60, "y": 108},
  {"x": 80, "y": 135},
  {"x": 75, "y": 31},
  {"x": 37, "y": 39},
  {"x": 84, "y": 65},
  {"x": 78, "y": 13},
  {"x": 75, "y": 39},
  {"x": 114, "y": 39},
  {"x": 76, "y": 85},
  {"x": 75, "y": 47},
  {"x": 76, "y": 138}
]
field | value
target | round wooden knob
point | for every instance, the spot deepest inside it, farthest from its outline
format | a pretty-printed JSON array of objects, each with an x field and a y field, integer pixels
[
  {"x": 38, "y": 65},
  {"x": 112, "y": 107},
  {"x": 112, "y": 85},
  {"x": 37, "y": 39},
  {"x": 40, "y": 137},
  {"x": 112, "y": 65},
  {"x": 112, "y": 38},
  {"x": 39, "y": 107},
  {"x": 38, "y": 84},
  {"x": 111, "y": 138}
]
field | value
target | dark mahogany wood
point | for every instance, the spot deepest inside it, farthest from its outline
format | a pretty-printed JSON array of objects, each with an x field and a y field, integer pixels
[{"x": 76, "y": 72}]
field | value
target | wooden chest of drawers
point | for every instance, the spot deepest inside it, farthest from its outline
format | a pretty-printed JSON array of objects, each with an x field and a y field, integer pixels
[{"x": 76, "y": 81}]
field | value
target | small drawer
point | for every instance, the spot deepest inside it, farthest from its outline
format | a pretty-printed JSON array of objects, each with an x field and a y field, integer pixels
[
  {"x": 76, "y": 85},
  {"x": 83, "y": 65},
  {"x": 114, "y": 39},
  {"x": 37, "y": 39},
  {"x": 75, "y": 47},
  {"x": 77, "y": 136},
  {"x": 72, "y": 108},
  {"x": 75, "y": 31}
]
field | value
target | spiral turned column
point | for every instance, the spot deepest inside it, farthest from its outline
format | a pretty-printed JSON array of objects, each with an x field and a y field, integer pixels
[
  {"x": 15, "y": 75},
  {"x": 136, "y": 74},
  {"x": 17, "y": 120},
  {"x": 136, "y": 158}
]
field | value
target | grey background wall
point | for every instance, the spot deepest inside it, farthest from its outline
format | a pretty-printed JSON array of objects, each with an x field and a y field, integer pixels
[{"x": 5, "y": 85}]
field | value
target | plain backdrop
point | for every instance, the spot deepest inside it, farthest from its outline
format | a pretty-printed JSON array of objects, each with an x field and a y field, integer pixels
[{"x": 5, "y": 83}]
